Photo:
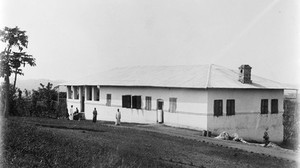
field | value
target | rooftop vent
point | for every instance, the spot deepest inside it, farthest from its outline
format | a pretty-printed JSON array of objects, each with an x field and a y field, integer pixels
[{"x": 245, "y": 74}]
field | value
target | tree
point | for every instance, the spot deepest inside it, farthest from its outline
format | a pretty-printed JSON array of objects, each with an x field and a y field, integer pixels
[
  {"x": 12, "y": 58},
  {"x": 46, "y": 99}
]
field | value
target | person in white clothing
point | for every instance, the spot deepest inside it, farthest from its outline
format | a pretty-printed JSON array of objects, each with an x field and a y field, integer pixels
[
  {"x": 118, "y": 117},
  {"x": 71, "y": 113}
]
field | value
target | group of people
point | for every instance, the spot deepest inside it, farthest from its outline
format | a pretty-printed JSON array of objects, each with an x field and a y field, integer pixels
[
  {"x": 73, "y": 115},
  {"x": 76, "y": 116}
]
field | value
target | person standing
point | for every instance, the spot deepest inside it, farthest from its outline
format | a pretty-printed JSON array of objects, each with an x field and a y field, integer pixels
[
  {"x": 71, "y": 113},
  {"x": 94, "y": 115},
  {"x": 76, "y": 115},
  {"x": 118, "y": 117},
  {"x": 266, "y": 138}
]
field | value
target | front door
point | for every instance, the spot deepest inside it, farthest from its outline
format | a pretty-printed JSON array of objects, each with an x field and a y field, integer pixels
[{"x": 160, "y": 111}]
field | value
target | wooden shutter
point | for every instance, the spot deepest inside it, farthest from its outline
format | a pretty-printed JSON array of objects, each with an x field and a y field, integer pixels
[
  {"x": 274, "y": 106},
  {"x": 218, "y": 107}
]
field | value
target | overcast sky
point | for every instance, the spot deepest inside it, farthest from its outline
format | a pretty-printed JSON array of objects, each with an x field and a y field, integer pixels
[{"x": 73, "y": 38}]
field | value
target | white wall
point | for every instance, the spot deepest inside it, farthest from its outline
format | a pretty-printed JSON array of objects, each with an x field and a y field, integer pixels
[
  {"x": 191, "y": 106},
  {"x": 248, "y": 121},
  {"x": 195, "y": 109}
]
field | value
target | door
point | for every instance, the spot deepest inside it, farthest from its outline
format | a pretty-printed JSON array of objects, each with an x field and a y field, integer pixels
[
  {"x": 160, "y": 111},
  {"x": 82, "y": 98},
  {"x": 82, "y": 104}
]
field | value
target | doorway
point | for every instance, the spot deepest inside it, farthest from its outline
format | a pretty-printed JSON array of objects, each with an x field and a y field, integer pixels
[
  {"x": 160, "y": 111},
  {"x": 82, "y": 104}
]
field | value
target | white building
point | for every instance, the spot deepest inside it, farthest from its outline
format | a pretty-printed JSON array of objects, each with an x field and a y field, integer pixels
[{"x": 205, "y": 97}]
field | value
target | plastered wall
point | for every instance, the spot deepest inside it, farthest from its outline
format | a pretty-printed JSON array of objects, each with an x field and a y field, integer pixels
[{"x": 248, "y": 122}]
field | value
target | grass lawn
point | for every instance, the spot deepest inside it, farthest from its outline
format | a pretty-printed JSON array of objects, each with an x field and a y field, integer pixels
[
  {"x": 29, "y": 145},
  {"x": 38, "y": 142}
]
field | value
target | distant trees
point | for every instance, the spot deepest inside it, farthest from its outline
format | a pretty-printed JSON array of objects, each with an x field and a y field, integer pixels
[
  {"x": 42, "y": 102},
  {"x": 12, "y": 59}
]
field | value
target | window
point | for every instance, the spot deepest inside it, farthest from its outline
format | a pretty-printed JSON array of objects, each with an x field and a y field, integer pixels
[
  {"x": 137, "y": 102},
  {"x": 96, "y": 93},
  {"x": 70, "y": 92},
  {"x": 148, "y": 103},
  {"x": 264, "y": 106},
  {"x": 89, "y": 92},
  {"x": 126, "y": 101},
  {"x": 274, "y": 106},
  {"x": 108, "y": 99},
  {"x": 230, "y": 107},
  {"x": 76, "y": 92},
  {"x": 218, "y": 107},
  {"x": 173, "y": 104}
]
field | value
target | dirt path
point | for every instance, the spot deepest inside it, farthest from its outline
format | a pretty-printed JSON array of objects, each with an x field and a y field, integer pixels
[{"x": 176, "y": 147}]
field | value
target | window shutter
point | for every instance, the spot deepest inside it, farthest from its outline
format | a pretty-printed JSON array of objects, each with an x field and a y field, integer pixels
[
  {"x": 218, "y": 107},
  {"x": 274, "y": 106}
]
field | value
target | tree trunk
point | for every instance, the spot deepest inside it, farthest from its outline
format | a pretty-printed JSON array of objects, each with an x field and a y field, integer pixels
[
  {"x": 15, "y": 82},
  {"x": 6, "y": 97}
]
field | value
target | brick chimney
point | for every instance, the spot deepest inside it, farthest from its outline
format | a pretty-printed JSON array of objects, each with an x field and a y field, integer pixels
[{"x": 245, "y": 74}]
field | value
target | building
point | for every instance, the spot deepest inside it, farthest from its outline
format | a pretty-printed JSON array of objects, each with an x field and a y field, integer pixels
[{"x": 204, "y": 97}]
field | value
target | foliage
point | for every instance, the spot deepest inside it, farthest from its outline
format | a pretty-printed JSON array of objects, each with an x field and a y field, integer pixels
[
  {"x": 45, "y": 101},
  {"x": 45, "y": 96},
  {"x": 19, "y": 105},
  {"x": 41, "y": 102},
  {"x": 291, "y": 124},
  {"x": 12, "y": 58}
]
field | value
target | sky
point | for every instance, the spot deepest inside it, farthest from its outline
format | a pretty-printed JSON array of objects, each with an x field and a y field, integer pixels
[{"x": 75, "y": 38}]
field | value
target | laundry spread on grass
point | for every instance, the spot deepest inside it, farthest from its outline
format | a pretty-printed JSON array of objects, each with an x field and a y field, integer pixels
[{"x": 235, "y": 137}]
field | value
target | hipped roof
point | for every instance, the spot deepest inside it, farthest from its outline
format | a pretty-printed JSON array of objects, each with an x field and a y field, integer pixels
[{"x": 195, "y": 76}]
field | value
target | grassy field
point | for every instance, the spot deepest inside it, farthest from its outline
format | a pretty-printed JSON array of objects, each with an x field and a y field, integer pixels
[
  {"x": 27, "y": 145},
  {"x": 37, "y": 142}
]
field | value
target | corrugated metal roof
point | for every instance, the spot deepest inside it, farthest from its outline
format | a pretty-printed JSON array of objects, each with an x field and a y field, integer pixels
[{"x": 185, "y": 76}]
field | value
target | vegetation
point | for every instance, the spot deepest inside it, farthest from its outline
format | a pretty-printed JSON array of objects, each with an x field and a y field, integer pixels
[
  {"x": 290, "y": 124},
  {"x": 12, "y": 59},
  {"x": 42, "y": 102}
]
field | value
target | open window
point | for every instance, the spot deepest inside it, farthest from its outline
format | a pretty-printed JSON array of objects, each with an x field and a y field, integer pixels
[
  {"x": 89, "y": 92},
  {"x": 173, "y": 104},
  {"x": 136, "y": 102},
  {"x": 96, "y": 94},
  {"x": 108, "y": 99},
  {"x": 148, "y": 103},
  {"x": 126, "y": 101},
  {"x": 70, "y": 92},
  {"x": 76, "y": 92}
]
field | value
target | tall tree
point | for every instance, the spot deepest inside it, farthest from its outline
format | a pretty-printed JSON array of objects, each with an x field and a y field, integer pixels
[{"x": 13, "y": 58}]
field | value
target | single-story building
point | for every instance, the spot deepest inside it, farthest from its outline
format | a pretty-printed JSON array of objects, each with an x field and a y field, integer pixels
[{"x": 202, "y": 97}]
